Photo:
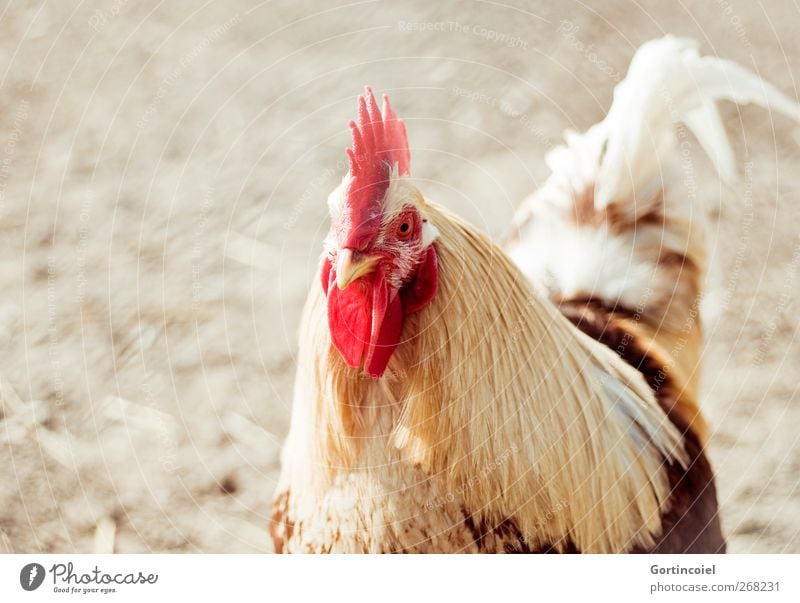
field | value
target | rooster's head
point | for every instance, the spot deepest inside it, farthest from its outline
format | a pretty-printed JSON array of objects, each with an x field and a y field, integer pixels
[{"x": 380, "y": 264}]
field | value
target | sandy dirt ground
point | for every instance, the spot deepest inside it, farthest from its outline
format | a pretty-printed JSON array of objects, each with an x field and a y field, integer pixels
[{"x": 163, "y": 175}]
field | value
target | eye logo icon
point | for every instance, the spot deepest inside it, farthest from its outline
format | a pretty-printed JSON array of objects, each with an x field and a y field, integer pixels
[{"x": 31, "y": 576}]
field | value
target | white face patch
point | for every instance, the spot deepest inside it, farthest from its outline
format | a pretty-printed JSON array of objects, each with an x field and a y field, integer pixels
[
  {"x": 400, "y": 196},
  {"x": 429, "y": 233}
]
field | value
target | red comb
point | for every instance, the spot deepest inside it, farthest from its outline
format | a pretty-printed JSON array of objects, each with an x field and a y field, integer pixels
[{"x": 379, "y": 142}]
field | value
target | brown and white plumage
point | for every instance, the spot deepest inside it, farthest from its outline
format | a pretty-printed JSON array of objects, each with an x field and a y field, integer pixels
[
  {"x": 618, "y": 221},
  {"x": 494, "y": 412},
  {"x": 496, "y": 424}
]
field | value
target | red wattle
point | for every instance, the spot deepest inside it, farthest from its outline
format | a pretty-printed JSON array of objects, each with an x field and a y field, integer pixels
[
  {"x": 419, "y": 292},
  {"x": 387, "y": 327},
  {"x": 366, "y": 318},
  {"x": 350, "y": 320}
]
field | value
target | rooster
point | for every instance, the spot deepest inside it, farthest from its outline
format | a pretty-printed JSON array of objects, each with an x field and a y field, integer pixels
[{"x": 444, "y": 403}]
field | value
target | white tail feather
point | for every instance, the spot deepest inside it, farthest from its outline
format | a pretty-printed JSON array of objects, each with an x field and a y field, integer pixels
[
  {"x": 580, "y": 234},
  {"x": 706, "y": 124},
  {"x": 669, "y": 82}
]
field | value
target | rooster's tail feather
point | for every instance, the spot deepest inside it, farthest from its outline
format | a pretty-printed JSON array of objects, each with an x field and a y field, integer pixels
[
  {"x": 617, "y": 222},
  {"x": 669, "y": 82}
]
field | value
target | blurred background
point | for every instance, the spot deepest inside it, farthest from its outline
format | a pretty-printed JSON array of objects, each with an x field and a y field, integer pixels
[{"x": 163, "y": 175}]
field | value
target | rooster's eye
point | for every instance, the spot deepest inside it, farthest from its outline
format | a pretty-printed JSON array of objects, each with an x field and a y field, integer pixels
[{"x": 405, "y": 230}]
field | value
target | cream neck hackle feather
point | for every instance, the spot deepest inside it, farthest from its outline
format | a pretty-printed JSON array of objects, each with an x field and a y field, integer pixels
[{"x": 491, "y": 375}]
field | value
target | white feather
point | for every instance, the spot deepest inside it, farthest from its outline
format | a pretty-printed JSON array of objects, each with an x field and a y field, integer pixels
[
  {"x": 628, "y": 166},
  {"x": 669, "y": 82}
]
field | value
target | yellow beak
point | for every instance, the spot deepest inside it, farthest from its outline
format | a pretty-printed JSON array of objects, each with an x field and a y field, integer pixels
[{"x": 351, "y": 266}]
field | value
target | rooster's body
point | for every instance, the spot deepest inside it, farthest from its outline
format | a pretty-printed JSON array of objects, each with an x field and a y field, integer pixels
[{"x": 444, "y": 404}]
